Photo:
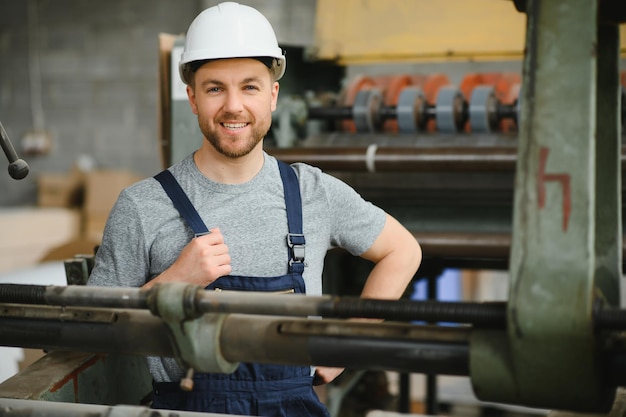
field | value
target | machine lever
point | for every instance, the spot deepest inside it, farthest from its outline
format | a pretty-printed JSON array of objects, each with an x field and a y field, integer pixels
[{"x": 18, "y": 168}]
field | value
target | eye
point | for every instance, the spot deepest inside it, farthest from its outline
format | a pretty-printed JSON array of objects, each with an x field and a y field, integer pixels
[
  {"x": 251, "y": 87},
  {"x": 213, "y": 90}
]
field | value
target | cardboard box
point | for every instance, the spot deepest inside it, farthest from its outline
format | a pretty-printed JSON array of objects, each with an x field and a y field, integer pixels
[
  {"x": 102, "y": 188},
  {"x": 60, "y": 190},
  {"x": 33, "y": 232},
  {"x": 93, "y": 226}
]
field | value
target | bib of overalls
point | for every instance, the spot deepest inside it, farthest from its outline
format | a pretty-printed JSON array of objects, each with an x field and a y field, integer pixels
[{"x": 253, "y": 389}]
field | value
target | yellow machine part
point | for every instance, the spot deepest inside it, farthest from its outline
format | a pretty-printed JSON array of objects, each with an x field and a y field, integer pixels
[{"x": 353, "y": 32}]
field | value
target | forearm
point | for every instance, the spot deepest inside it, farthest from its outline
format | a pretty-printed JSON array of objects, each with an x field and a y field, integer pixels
[
  {"x": 159, "y": 279},
  {"x": 390, "y": 276},
  {"x": 397, "y": 256},
  {"x": 387, "y": 280}
]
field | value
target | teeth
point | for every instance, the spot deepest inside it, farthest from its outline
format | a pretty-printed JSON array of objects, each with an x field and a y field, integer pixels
[{"x": 234, "y": 125}]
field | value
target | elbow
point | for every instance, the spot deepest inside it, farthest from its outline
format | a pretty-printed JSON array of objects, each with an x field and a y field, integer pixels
[{"x": 415, "y": 255}]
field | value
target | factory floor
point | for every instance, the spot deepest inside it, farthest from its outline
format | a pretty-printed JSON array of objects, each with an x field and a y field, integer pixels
[{"x": 376, "y": 395}]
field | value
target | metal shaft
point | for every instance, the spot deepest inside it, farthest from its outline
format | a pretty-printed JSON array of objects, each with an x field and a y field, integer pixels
[
  {"x": 403, "y": 159},
  {"x": 246, "y": 338},
  {"x": 93, "y": 330},
  {"x": 479, "y": 314},
  {"x": 7, "y": 147},
  {"x": 18, "y": 168},
  {"x": 503, "y": 111},
  {"x": 486, "y": 314},
  {"x": 389, "y": 346}
]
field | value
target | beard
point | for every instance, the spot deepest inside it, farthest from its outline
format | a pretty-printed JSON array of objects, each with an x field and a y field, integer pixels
[{"x": 234, "y": 147}]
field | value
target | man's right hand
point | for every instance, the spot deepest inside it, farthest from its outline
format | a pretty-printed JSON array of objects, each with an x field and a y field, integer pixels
[{"x": 201, "y": 262}]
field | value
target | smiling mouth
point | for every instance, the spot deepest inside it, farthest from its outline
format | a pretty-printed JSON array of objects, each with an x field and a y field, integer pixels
[{"x": 234, "y": 126}]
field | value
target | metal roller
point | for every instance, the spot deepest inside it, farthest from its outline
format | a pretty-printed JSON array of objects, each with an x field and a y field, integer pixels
[
  {"x": 483, "y": 110},
  {"x": 411, "y": 110},
  {"x": 393, "y": 87},
  {"x": 348, "y": 96},
  {"x": 366, "y": 110},
  {"x": 415, "y": 113},
  {"x": 449, "y": 110}
]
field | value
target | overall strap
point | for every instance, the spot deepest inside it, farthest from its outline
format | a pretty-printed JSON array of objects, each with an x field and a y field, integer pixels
[
  {"x": 293, "y": 203},
  {"x": 181, "y": 202}
]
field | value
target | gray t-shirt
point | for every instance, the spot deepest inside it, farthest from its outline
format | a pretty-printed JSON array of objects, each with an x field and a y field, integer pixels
[{"x": 145, "y": 233}]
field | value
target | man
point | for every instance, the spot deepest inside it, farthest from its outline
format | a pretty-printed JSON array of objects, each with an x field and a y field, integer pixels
[{"x": 259, "y": 239}]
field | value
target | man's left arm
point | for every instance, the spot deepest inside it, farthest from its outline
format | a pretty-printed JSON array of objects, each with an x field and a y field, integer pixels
[{"x": 396, "y": 255}]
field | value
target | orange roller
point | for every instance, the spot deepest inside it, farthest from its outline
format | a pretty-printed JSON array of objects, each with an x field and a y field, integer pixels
[
  {"x": 360, "y": 82},
  {"x": 503, "y": 86},
  {"x": 418, "y": 80},
  {"x": 382, "y": 81},
  {"x": 469, "y": 82},
  {"x": 431, "y": 85},
  {"x": 501, "y": 82}
]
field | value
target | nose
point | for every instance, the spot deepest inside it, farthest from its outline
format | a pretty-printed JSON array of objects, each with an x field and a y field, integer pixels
[{"x": 233, "y": 102}]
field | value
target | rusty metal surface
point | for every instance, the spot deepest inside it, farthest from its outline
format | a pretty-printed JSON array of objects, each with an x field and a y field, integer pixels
[
  {"x": 72, "y": 377},
  {"x": 52, "y": 370},
  {"x": 66, "y": 314}
]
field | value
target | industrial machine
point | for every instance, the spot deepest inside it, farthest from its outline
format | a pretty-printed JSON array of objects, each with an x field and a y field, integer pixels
[{"x": 520, "y": 172}]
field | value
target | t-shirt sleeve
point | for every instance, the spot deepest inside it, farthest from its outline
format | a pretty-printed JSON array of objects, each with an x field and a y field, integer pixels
[
  {"x": 121, "y": 260},
  {"x": 355, "y": 222}
]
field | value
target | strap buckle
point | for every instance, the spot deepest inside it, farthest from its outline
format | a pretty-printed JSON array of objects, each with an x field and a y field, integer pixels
[{"x": 295, "y": 241}]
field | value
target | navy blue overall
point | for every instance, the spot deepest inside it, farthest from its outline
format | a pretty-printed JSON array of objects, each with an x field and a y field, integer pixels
[{"x": 253, "y": 389}]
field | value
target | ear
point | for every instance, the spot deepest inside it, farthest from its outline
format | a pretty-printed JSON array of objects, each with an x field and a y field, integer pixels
[
  {"x": 275, "y": 89},
  {"x": 192, "y": 100}
]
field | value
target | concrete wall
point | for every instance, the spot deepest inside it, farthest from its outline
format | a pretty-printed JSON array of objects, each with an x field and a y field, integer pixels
[{"x": 86, "y": 72}]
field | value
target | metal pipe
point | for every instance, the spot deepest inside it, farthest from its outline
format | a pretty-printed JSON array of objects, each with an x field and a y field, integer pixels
[
  {"x": 18, "y": 168},
  {"x": 392, "y": 346},
  {"x": 343, "y": 152},
  {"x": 485, "y": 314},
  {"x": 479, "y": 314},
  {"x": 402, "y": 159},
  {"x": 53, "y": 328},
  {"x": 356, "y": 345},
  {"x": 492, "y": 315},
  {"x": 609, "y": 318},
  {"x": 359, "y": 345},
  {"x": 483, "y": 245}
]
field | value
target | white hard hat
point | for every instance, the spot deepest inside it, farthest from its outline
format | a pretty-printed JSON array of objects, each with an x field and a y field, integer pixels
[{"x": 231, "y": 30}]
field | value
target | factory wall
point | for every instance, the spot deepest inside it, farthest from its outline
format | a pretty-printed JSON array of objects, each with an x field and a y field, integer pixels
[{"x": 85, "y": 74}]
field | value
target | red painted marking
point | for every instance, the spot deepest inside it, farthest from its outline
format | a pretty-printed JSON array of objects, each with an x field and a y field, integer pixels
[
  {"x": 563, "y": 179},
  {"x": 73, "y": 376}
]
